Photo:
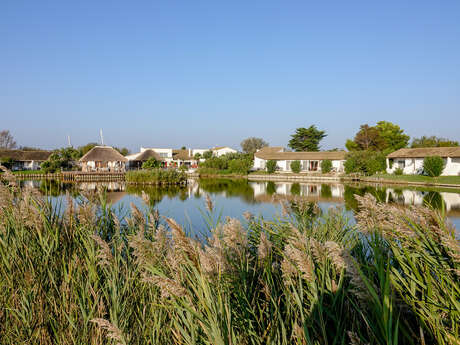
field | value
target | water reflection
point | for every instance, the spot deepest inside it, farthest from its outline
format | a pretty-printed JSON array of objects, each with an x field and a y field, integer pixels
[{"x": 254, "y": 194}]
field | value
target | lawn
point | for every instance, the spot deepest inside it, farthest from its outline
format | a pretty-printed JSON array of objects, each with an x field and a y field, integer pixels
[
  {"x": 419, "y": 178},
  {"x": 27, "y": 172}
]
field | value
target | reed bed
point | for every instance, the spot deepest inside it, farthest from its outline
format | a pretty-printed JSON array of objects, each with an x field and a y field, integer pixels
[
  {"x": 157, "y": 177},
  {"x": 83, "y": 276}
]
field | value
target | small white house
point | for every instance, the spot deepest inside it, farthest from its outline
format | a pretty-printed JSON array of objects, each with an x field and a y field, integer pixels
[
  {"x": 309, "y": 161},
  {"x": 24, "y": 160},
  {"x": 222, "y": 150},
  {"x": 411, "y": 160},
  {"x": 103, "y": 159}
]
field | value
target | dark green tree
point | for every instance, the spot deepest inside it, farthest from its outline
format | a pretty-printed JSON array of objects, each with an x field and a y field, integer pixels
[
  {"x": 306, "y": 139},
  {"x": 392, "y": 135},
  {"x": 295, "y": 166},
  {"x": 433, "y": 166},
  {"x": 271, "y": 166},
  {"x": 432, "y": 141},
  {"x": 326, "y": 166}
]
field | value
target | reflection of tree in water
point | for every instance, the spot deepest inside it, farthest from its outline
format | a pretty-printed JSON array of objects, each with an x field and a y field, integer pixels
[
  {"x": 231, "y": 187},
  {"x": 433, "y": 199},
  {"x": 157, "y": 193},
  {"x": 295, "y": 188},
  {"x": 57, "y": 188},
  {"x": 271, "y": 188},
  {"x": 352, "y": 204},
  {"x": 326, "y": 191}
]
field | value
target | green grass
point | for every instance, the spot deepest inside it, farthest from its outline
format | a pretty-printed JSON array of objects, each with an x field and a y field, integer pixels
[
  {"x": 84, "y": 276},
  {"x": 28, "y": 172},
  {"x": 419, "y": 178}
]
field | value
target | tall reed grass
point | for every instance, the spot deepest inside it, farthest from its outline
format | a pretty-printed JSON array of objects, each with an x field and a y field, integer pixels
[
  {"x": 156, "y": 176},
  {"x": 86, "y": 277}
]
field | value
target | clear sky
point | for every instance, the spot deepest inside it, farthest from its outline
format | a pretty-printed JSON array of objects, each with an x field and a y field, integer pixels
[{"x": 206, "y": 73}]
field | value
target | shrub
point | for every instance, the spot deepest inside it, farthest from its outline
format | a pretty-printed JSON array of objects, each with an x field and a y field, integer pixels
[
  {"x": 295, "y": 189},
  {"x": 433, "y": 166},
  {"x": 207, "y": 154},
  {"x": 156, "y": 176},
  {"x": 365, "y": 162},
  {"x": 271, "y": 166},
  {"x": 295, "y": 166},
  {"x": 150, "y": 164},
  {"x": 398, "y": 171},
  {"x": 326, "y": 166}
]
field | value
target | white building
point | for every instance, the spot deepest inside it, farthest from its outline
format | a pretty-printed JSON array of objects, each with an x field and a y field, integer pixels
[
  {"x": 222, "y": 150},
  {"x": 103, "y": 159},
  {"x": 411, "y": 160},
  {"x": 309, "y": 161},
  {"x": 24, "y": 160}
]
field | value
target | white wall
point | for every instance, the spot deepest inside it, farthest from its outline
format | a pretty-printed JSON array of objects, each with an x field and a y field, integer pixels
[
  {"x": 413, "y": 166},
  {"x": 223, "y": 151}
]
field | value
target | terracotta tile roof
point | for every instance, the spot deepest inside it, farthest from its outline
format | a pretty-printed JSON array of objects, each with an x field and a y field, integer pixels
[
  {"x": 19, "y": 155},
  {"x": 425, "y": 152},
  {"x": 103, "y": 154},
  {"x": 276, "y": 153}
]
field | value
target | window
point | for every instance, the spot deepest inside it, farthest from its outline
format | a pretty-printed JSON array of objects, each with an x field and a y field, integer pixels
[
  {"x": 401, "y": 164},
  {"x": 163, "y": 154}
]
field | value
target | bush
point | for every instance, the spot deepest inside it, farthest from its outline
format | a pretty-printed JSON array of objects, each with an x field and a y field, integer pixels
[
  {"x": 271, "y": 166},
  {"x": 295, "y": 166},
  {"x": 150, "y": 164},
  {"x": 433, "y": 166},
  {"x": 365, "y": 162},
  {"x": 156, "y": 176},
  {"x": 398, "y": 171},
  {"x": 232, "y": 163},
  {"x": 326, "y": 166}
]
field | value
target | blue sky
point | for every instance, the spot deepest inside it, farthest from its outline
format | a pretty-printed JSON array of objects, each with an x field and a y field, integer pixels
[{"x": 206, "y": 73}]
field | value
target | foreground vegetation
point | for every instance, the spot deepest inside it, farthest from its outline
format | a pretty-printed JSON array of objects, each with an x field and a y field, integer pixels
[
  {"x": 156, "y": 176},
  {"x": 84, "y": 276}
]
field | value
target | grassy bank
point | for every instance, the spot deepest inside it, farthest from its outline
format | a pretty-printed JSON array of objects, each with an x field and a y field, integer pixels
[
  {"x": 419, "y": 178},
  {"x": 87, "y": 277},
  {"x": 156, "y": 176}
]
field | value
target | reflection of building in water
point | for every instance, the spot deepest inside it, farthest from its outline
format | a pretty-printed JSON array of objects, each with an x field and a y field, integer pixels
[
  {"x": 109, "y": 186},
  {"x": 419, "y": 198},
  {"x": 31, "y": 184},
  {"x": 300, "y": 189}
]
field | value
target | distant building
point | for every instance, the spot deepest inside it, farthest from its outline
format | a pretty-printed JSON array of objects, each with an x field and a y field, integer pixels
[
  {"x": 309, "y": 161},
  {"x": 411, "y": 160},
  {"x": 24, "y": 160},
  {"x": 136, "y": 160},
  {"x": 222, "y": 150},
  {"x": 103, "y": 159}
]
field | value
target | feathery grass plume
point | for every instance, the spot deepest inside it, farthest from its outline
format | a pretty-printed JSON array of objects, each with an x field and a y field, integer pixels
[
  {"x": 138, "y": 216},
  {"x": 168, "y": 287},
  {"x": 86, "y": 215},
  {"x": 8, "y": 176},
  {"x": 354, "y": 338},
  {"x": 115, "y": 220},
  {"x": 297, "y": 335},
  {"x": 264, "y": 248},
  {"x": 104, "y": 254},
  {"x": 234, "y": 237},
  {"x": 335, "y": 254},
  {"x": 285, "y": 210},
  {"x": 317, "y": 249},
  {"x": 181, "y": 243},
  {"x": 113, "y": 332},
  {"x": 209, "y": 204},
  {"x": 145, "y": 198},
  {"x": 248, "y": 216}
]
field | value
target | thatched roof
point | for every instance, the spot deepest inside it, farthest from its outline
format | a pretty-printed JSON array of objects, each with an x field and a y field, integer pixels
[
  {"x": 103, "y": 154},
  {"x": 426, "y": 152},
  {"x": 182, "y": 155},
  {"x": 22, "y": 156},
  {"x": 276, "y": 153},
  {"x": 146, "y": 155}
]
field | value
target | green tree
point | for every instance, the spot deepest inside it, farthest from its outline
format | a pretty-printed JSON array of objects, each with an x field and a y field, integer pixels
[
  {"x": 207, "y": 154},
  {"x": 306, "y": 139},
  {"x": 61, "y": 159},
  {"x": 365, "y": 162},
  {"x": 122, "y": 150},
  {"x": 252, "y": 144},
  {"x": 392, "y": 135},
  {"x": 433, "y": 166},
  {"x": 369, "y": 138},
  {"x": 271, "y": 166},
  {"x": 295, "y": 166},
  {"x": 150, "y": 164},
  {"x": 326, "y": 166},
  {"x": 432, "y": 141},
  {"x": 86, "y": 148},
  {"x": 197, "y": 156}
]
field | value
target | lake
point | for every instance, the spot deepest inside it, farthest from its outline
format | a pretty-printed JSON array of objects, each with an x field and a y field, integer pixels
[{"x": 233, "y": 197}]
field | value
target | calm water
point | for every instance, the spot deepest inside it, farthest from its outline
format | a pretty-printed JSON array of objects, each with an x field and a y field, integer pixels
[{"x": 234, "y": 197}]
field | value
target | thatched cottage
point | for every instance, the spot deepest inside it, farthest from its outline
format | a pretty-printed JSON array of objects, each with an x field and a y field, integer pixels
[
  {"x": 23, "y": 160},
  {"x": 136, "y": 160},
  {"x": 103, "y": 159}
]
